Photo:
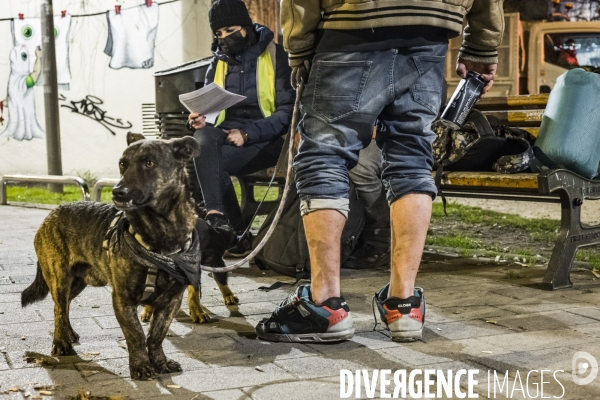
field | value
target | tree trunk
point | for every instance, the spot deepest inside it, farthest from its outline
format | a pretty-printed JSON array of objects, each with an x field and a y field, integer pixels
[{"x": 265, "y": 12}]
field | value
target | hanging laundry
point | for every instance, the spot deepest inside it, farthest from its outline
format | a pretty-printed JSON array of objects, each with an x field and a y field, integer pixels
[
  {"x": 22, "y": 122},
  {"x": 28, "y": 32},
  {"x": 131, "y": 36}
]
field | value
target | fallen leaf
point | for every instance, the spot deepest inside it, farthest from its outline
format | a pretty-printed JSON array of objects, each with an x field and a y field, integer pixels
[
  {"x": 439, "y": 329},
  {"x": 94, "y": 353},
  {"x": 26, "y": 394},
  {"x": 259, "y": 369},
  {"x": 36, "y": 397},
  {"x": 488, "y": 352},
  {"x": 497, "y": 258},
  {"x": 45, "y": 393},
  {"x": 491, "y": 321},
  {"x": 14, "y": 389},
  {"x": 22, "y": 337},
  {"x": 595, "y": 273},
  {"x": 173, "y": 387},
  {"x": 90, "y": 373}
]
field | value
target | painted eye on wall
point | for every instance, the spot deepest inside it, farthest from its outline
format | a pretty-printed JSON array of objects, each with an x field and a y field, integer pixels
[
  {"x": 24, "y": 56},
  {"x": 27, "y": 32}
]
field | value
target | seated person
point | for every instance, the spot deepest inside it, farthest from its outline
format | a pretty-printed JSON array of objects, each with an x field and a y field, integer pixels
[{"x": 246, "y": 137}]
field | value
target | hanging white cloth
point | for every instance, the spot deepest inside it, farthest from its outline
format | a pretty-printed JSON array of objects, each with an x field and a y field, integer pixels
[
  {"x": 22, "y": 122},
  {"x": 28, "y": 32},
  {"x": 131, "y": 37}
]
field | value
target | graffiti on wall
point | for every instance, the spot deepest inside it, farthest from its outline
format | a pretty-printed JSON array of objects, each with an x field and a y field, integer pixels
[
  {"x": 131, "y": 37},
  {"x": 90, "y": 107},
  {"x": 25, "y": 72}
]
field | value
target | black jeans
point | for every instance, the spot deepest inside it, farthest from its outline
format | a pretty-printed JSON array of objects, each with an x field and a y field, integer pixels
[
  {"x": 219, "y": 160},
  {"x": 366, "y": 177}
]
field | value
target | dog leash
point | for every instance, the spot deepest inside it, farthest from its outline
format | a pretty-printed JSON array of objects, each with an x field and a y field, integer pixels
[{"x": 283, "y": 195}]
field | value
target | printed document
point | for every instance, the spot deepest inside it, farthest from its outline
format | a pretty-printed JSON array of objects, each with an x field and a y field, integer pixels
[{"x": 209, "y": 101}]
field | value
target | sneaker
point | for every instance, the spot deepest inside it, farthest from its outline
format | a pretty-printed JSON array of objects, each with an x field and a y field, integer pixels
[
  {"x": 221, "y": 224},
  {"x": 403, "y": 317},
  {"x": 298, "y": 319},
  {"x": 368, "y": 256},
  {"x": 242, "y": 248}
]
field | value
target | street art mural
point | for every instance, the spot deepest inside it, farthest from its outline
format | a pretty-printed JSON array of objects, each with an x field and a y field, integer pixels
[
  {"x": 131, "y": 36},
  {"x": 22, "y": 123},
  {"x": 28, "y": 32},
  {"x": 90, "y": 107},
  {"x": 25, "y": 71}
]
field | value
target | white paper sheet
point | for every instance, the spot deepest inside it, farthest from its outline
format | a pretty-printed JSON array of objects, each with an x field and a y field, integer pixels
[{"x": 209, "y": 101}]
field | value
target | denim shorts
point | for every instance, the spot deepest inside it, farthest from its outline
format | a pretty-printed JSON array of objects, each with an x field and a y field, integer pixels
[{"x": 345, "y": 95}]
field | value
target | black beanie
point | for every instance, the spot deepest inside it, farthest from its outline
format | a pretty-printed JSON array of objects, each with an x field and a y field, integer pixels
[{"x": 228, "y": 13}]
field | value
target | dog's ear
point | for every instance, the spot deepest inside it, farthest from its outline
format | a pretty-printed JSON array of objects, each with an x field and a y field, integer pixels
[
  {"x": 134, "y": 137},
  {"x": 186, "y": 148}
]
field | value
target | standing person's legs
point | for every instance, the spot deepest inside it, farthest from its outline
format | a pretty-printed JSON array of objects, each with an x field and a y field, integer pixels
[
  {"x": 344, "y": 95},
  {"x": 408, "y": 161}
]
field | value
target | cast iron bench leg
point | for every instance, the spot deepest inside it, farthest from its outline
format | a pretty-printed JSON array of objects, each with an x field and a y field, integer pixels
[{"x": 572, "y": 189}]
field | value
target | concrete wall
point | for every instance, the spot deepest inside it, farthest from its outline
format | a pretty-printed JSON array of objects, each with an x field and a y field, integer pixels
[{"x": 87, "y": 145}]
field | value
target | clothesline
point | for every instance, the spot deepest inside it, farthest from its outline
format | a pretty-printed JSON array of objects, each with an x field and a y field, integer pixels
[{"x": 118, "y": 8}]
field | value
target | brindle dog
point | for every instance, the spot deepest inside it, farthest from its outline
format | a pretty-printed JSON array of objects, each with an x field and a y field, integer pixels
[{"x": 157, "y": 204}]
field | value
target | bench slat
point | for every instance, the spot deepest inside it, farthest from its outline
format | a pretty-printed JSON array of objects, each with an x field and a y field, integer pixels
[
  {"x": 525, "y": 118},
  {"x": 513, "y": 102},
  {"x": 490, "y": 180}
]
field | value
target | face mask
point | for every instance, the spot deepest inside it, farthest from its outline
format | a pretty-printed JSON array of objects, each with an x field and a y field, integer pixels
[{"x": 233, "y": 44}]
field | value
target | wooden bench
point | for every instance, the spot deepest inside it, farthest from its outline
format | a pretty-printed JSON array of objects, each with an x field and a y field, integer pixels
[{"x": 557, "y": 186}]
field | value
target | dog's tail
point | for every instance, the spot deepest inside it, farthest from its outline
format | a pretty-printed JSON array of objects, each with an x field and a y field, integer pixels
[{"x": 37, "y": 291}]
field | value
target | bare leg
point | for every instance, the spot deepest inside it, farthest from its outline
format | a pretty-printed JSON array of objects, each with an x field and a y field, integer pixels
[
  {"x": 410, "y": 217},
  {"x": 324, "y": 234}
]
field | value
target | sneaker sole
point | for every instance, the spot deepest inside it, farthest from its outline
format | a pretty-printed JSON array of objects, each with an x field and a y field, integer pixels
[
  {"x": 308, "y": 337},
  {"x": 407, "y": 336}
]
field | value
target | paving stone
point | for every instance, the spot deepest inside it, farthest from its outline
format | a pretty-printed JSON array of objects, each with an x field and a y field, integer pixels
[
  {"x": 230, "y": 378},
  {"x": 219, "y": 358}
]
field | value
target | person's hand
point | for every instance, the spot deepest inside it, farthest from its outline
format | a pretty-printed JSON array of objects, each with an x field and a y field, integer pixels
[
  {"x": 197, "y": 121},
  {"x": 300, "y": 73},
  {"x": 236, "y": 136},
  {"x": 487, "y": 72}
]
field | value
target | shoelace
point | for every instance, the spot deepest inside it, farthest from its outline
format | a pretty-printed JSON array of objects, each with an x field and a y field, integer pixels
[{"x": 373, "y": 309}]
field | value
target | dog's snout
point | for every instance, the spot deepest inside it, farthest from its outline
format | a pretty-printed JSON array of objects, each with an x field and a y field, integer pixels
[{"x": 120, "y": 191}]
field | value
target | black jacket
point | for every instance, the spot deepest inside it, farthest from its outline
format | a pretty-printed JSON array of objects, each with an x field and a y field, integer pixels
[{"x": 241, "y": 79}]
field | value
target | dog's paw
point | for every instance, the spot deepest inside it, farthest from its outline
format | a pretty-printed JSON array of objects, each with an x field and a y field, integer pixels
[
  {"x": 62, "y": 348},
  {"x": 167, "y": 366},
  {"x": 73, "y": 336},
  {"x": 230, "y": 300},
  {"x": 146, "y": 314},
  {"x": 142, "y": 371},
  {"x": 198, "y": 315}
]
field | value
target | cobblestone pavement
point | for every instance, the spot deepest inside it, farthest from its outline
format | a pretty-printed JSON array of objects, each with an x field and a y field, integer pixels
[{"x": 477, "y": 318}]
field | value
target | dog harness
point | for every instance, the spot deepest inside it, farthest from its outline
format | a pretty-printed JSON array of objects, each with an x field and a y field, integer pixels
[{"x": 183, "y": 266}]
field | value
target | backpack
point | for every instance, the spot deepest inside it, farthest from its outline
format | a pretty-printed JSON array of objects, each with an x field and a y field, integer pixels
[
  {"x": 482, "y": 144},
  {"x": 286, "y": 252}
]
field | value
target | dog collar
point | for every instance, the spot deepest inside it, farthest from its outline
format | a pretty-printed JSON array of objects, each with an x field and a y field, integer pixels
[{"x": 183, "y": 265}]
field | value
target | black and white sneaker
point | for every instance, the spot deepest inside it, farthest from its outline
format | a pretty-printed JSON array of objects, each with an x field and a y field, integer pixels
[{"x": 299, "y": 319}]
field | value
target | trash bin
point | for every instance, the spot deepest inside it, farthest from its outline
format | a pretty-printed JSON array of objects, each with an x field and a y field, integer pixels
[{"x": 170, "y": 113}]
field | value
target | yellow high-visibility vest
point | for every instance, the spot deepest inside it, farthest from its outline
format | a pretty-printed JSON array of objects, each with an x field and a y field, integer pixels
[{"x": 265, "y": 81}]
